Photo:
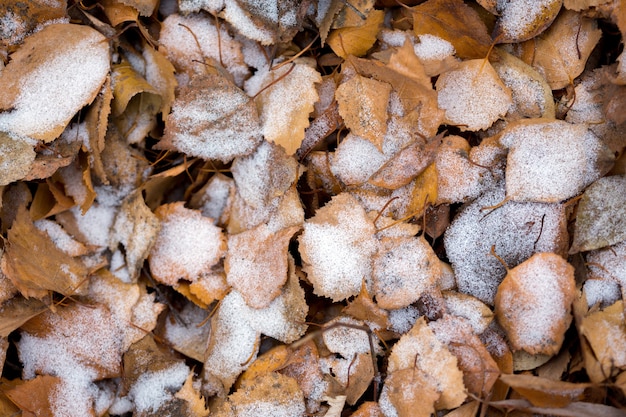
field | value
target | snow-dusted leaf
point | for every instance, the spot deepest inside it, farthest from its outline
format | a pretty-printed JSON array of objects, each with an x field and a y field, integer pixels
[
  {"x": 420, "y": 351},
  {"x": 601, "y": 214},
  {"x": 285, "y": 98},
  {"x": 533, "y": 303},
  {"x": 363, "y": 107},
  {"x": 543, "y": 392},
  {"x": 53, "y": 74},
  {"x": 472, "y": 95},
  {"x": 16, "y": 157},
  {"x": 213, "y": 119},
  {"x": 187, "y": 245},
  {"x": 271, "y": 394},
  {"x": 336, "y": 247},
  {"x": 562, "y": 51},
  {"x": 521, "y": 20},
  {"x": 256, "y": 263},
  {"x": 551, "y": 160}
]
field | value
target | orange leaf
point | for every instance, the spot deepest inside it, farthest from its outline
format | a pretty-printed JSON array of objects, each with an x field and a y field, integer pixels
[{"x": 356, "y": 40}]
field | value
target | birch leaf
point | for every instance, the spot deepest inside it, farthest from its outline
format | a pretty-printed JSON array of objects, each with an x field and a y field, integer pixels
[{"x": 356, "y": 40}]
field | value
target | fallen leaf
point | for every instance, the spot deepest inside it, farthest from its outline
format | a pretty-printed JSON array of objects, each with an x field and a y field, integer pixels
[
  {"x": 16, "y": 157},
  {"x": 407, "y": 392},
  {"x": 36, "y": 266},
  {"x": 273, "y": 393},
  {"x": 533, "y": 303},
  {"x": 543, "y": 392},
  {"x": 521, "y": 20},
  {"x": 455, "y": 22},
  {"x": 17, "y": 311},
  {"x": 600, "y": 215},
  {"x": 284, "y": 97},
  {"x": 199, "y": 128},
  {"x": 356, "y": 40},
  {"x": 363, "y": 107},
  {"x": 47, "y": 81},
  {"x": 33, "y": 397}
]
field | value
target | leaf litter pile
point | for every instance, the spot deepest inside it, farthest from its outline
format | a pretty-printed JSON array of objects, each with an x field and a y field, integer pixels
[{"x": 312, "y": 208}]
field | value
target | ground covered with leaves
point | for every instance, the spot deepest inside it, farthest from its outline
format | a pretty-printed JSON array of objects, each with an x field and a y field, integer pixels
[{"x": 312, "y": 208}]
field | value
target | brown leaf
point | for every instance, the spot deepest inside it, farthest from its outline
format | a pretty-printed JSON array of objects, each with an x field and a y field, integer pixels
[
  {"x": 410, "y": 393},
  {"x": 35, "y": 265},
  {"x": 520, "y": 20},
  {"x": 27, "y": 16},
  {"x": 17, "y": 311},
  {"x": 455, "y": 22},
  {"x": 543, "y": 392},
  {"x": 33, "y": 397},
  {"x": 363, "y": 308},
  {"x": 16, "y": 158},
  {"x": 117, "y": 12}
]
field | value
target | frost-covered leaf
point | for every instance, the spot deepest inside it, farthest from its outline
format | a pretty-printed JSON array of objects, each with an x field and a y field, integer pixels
[
  {"x": 256, "y": 263},
  {"x": 551, "y": 161},
  {"x": 543, "y": 392},
  {"x": 187, "y": 245},
  {"x": 472, "y": 95},
  {"x": 285, "y": 98},
  {"x": 271, "y": 394},
  {"x": 363, "y": 107},
  {"x": 213, "y": 119},
  {"x": 562, "y": 51},
  {"x": 521, "y": 20},
  {"x": 533, "y": 303},
  {"x": 601, "y": 214},
  {"x": 53, "y": 74},
  {"x": 336, "y": 247},
  {"x": 16, "y": 157}
]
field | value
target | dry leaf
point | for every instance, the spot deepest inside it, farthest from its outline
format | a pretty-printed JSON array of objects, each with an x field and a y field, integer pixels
[
  {"x": 117, "y": 12},
  {"x": 356, "y": 40},
  {"x": 455, "y": 22},
  {"x": 562, "y": 51},
  {"x": 472, "y": 95},
  {"x": 363, "y": 308},
  {"x": 407, "y": 393},
  {"x": 363, "y": 107},
  {"x": 420, "y": 351},
  {"x": 35, "y": 265},
  {"x": 599, "y": 219},
  {"x": 16, "y": 157},
  {"x": 533, "y": 303},
  {"x": 270, "y": 394},
  {"x": 521, "y": 20},
  {"x": 424, "y": 191},
  {"x": 284, "y": 98},
  {"x": 17, "y": 311},
  {"x": 256, "y": 263},
  {"x": 54, "y": 73},
  {"x": 33, "y": 397},
  {"x": 24, "y": 18},
  {"x": 199, "y": 128},
  {"x": 543, "y": 392},
  {"x": 160, "y": 75}
]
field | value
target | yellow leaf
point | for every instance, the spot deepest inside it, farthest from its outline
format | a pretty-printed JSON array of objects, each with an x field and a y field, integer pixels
[
  {"x": 356, "y": 40},
  {"x": 542, "y": 392},
  {"x": 363, "y": 106},
  {"x": 424, "y": 190}
]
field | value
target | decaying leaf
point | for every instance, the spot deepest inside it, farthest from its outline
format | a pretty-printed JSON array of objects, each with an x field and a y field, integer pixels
[
  {"x": 543, "y": 392},
  {"x": 16, "y": 157},
  {"x": 533, "y": 303},
  {"x": 271, "y": 394},
  {"x": 54, "y": 73}
]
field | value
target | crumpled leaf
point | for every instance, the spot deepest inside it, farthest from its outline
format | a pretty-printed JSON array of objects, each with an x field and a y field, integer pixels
[
  {"x": 34, "y": 263},
  {"x": 420, "y": 351},
  {"x": 561, "y": 52},
  {"x": 54, "y": 73},
  {"x": 363, "y": 107},
  {"x": 455, "y": 22},
  {"x": 521, "y": 20},
  {"x": 356, "y": 40},
  {"x": 256, "y": 263},
  {"x": 285, "y": 97},
  {"x": 199, "y": 127},
  {"x": 533, "y": 303},
  {"x": 118, "y": 12},
  {"x": 601, "y": 214},
  {"x": 136, "y": 228},
  {"x": 473, "y": 81}
]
